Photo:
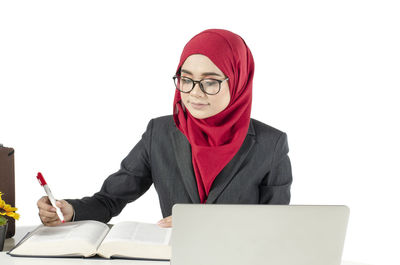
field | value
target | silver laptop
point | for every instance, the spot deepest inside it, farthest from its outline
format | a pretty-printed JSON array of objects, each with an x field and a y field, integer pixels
[{"x": 208, "y": 234}]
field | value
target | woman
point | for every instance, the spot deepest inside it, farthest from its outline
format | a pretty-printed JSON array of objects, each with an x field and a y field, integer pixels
[{"x": 208, "y": 151}]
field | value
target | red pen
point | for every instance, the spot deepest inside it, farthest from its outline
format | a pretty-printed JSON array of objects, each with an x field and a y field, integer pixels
[{"x": 43, "y": 183}]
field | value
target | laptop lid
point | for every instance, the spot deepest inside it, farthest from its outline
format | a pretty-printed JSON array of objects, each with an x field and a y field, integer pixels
[{"x": 206, "y": 234}]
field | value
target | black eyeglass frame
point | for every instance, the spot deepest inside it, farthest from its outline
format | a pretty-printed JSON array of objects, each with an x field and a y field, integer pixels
[{"x": 200, "y": 85}]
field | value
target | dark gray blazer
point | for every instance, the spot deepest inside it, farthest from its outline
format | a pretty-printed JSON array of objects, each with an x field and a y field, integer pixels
[{"x": 260, "y": 173}]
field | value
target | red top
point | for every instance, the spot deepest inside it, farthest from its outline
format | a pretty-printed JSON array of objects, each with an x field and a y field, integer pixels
[
  {"x": 41, "y": 179},
  {"x": 215, "y": 140}
]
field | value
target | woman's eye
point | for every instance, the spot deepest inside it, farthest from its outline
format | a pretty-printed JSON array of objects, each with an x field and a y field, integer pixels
[{"x": 211, "y": 83}]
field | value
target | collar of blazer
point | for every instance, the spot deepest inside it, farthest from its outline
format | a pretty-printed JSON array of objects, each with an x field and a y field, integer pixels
[{"x": 183, "y": 153}]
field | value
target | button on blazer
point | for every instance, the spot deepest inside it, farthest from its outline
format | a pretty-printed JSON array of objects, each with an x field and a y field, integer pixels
[{"x": 259, "y": 173}]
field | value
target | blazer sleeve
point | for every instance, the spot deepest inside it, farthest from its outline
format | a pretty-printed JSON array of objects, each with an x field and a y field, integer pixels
[
  {"x": 275, "y": 187},
  {"x": 130, "y": 182}
]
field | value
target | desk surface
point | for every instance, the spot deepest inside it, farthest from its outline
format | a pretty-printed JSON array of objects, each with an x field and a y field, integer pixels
[{"x": 21, "y": 231}]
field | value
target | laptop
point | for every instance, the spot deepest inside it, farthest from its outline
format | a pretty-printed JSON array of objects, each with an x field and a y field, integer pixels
[{"x": 232, "y": 234}]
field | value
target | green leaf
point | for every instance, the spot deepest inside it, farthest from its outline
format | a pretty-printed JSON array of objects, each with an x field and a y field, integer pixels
[{"x": 3, "y": 220}]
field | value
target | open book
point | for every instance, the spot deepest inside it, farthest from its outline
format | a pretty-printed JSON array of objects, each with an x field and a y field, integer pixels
[{"x": 89, "y": 238}]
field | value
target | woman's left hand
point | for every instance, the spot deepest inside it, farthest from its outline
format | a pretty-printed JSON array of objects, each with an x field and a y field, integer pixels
[{"x": 166, "y": 222}]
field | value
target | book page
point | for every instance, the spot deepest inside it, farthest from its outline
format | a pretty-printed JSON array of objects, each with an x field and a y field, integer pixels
[
  {"x": 137, "y": 240},
  {"x": 143, "y": 233},
  {"x": 72, "y": 238}
]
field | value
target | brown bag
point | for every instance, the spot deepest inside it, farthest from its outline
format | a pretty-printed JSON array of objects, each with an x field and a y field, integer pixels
[{"x": 7, "y": 183}]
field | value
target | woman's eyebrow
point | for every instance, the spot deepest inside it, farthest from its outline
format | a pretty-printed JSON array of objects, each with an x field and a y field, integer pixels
[{"x": 203, "y": 74}]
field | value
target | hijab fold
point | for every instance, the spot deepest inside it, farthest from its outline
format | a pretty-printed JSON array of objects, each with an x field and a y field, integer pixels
[{"x": 215, "y": 140}]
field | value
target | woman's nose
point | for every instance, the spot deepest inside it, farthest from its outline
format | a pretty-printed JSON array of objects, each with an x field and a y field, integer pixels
[{"x": 196, "y": 91}]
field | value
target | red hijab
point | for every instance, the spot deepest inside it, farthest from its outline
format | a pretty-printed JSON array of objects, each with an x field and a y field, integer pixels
[{"x": 215, "y": 140}]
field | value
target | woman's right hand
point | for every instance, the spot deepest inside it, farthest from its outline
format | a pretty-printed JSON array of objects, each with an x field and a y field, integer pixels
[{"x": 47, "y": 212}]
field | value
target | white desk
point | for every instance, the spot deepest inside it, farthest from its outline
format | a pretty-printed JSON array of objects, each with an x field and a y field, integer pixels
[{"x": 21, "y": 231}]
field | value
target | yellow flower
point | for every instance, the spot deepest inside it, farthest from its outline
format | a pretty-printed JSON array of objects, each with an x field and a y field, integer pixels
[
  {"x": 11, "y": 214},
  {"x": 7, "y": 209}
]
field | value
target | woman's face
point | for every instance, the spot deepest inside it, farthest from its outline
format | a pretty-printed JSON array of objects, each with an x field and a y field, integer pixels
[{"x": 197, "y": 67}]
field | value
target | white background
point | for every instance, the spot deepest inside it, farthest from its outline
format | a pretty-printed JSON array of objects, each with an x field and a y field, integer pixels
[{"x": 80, "y": 80}]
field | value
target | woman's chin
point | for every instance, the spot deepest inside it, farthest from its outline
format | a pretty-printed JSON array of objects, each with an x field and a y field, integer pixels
[{"x": 198, "y": 114}]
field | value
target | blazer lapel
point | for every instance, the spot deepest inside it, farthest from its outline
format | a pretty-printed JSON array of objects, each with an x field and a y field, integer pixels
[{"x": 183, "y": 154}]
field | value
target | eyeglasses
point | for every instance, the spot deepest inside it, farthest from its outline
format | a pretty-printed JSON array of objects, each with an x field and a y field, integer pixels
[{"x": 209, "y": 86}]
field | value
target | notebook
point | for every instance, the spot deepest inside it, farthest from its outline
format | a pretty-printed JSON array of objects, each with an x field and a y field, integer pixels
[{"x": 258, "y": 234}]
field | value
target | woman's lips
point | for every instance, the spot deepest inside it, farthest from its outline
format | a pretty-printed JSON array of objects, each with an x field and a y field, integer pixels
[{"x": 198, "y": 106}]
